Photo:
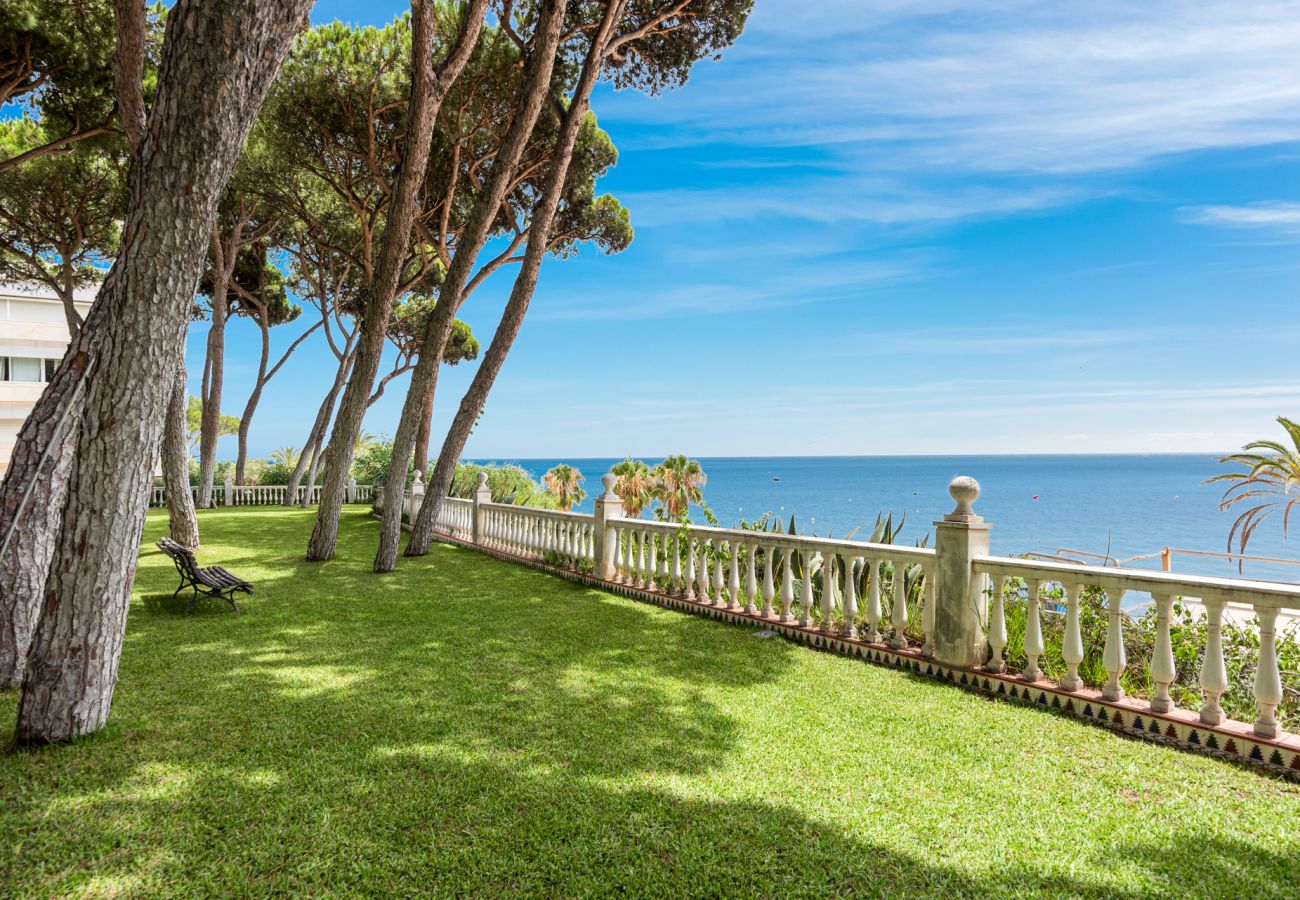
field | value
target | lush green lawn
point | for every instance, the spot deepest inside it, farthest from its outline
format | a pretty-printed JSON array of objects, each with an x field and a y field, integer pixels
[{"x": 467, "y": 726}]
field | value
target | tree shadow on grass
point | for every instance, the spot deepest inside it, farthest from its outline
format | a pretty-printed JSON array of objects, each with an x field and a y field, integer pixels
[{"x": 465, "y": 727}]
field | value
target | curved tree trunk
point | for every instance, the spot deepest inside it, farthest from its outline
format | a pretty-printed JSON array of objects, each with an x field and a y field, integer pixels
[
  {"x": 471, "y": 405},
  {"x": 419, "y": 396},
  {"x": 218, "y": 62},
  {"x": 253, "y": 399},
  {"x": 215, "y": 370},
  {"x": 429, "y": 85},
  {"x": 424, "y": 424},
  {"x": 183, "y": 523},
  {"x": 31, "y": 498}
]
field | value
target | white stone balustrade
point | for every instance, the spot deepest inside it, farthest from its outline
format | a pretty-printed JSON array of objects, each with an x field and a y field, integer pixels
[
  {"x": 1267, "y": 599},
  {"x": 262, "y": 494}
]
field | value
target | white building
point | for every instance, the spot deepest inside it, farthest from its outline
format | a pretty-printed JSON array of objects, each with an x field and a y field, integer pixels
[{"x": 33, "y": 337}]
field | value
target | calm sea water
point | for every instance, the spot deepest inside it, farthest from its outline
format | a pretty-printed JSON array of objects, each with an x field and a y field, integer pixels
[{"x": 1125, "y": 504}]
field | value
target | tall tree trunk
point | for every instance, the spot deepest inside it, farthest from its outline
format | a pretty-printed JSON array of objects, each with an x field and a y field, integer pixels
[
  {"x": 429, "y": 85},
  {"x": 215, "y": 369},
  {"x": 218, "y": 61},
  {"x": 183, "y": 523},
  {"x": 251, "y": 406},
  {"x": 424, "y": 425},
  {"x": 424, "y": 378},
  {"x": 539, "y": 233},
  {"x": 31, "y": 496}
]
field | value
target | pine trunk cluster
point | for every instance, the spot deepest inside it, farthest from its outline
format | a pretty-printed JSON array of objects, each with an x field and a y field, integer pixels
[
  {"x": 108, "y": 401},
  {"x": 429, "y": 86}
]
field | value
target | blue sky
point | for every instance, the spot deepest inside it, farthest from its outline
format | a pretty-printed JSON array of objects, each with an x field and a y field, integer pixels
[{"x": 930, "y": 227}]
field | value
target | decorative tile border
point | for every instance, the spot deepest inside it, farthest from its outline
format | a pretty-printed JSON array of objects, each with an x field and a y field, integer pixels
[{"x": 1178, "y": 727}]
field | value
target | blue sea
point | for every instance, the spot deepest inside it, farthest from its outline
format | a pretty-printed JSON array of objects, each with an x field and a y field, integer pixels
[{"x": 1124, "y": 505}]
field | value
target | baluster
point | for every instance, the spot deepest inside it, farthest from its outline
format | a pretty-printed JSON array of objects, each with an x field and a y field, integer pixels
[
  {"x": 664, "y": 584},
  {"x": 1033, "y": 632},
  {"x": 828, "y": 590},
  {"x": 1113, "y": 656},
  {"x": 769, "y": 585},
  {"x": 806, "y": 594},
  {"x": 1072, "y": 643},
  {"x": 675, "y": 574},
  {"x": 690, "y": 568},
  {"x": 703, "y": 594},
  {"x": 624, "y": 538},
  {"x": 874, "y": 612},
  {"x": 1214, "y": 674},
  {"x": 898, "y": 618},
  {"x": 927, "y": 613},
  {"x": 718, "y": 582},
  {"x": 733, "y": 579},
  {"x": 1162, "y": 658},
  {"x": 1268, "y": 681},
  {"x": 787, "y": 585},
  {"x": 654, "y": 563},
  {"x": 641, "y": 559},
  {"x": 997, "y": 626},
  {"x": 751, "y": 579},
  {"x": 850, "y": 628}
]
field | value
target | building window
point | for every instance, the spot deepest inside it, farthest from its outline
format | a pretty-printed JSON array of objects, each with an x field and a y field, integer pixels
[
  {"x": 24, "y": 368},
  {"x": 50, "y": 366}
]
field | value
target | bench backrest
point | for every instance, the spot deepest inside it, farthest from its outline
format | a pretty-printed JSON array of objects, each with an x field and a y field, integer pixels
[{"x": 182, "y": 556}]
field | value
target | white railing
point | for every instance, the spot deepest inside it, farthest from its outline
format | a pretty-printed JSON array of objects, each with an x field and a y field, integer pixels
[
  {"x": 544, "y": 534},
  {"x": 456, "y": 518},
  {"x": 769, "y": 573},
  {"x": 262, "y": 494},
  {"x": 1266, "y": 599}
]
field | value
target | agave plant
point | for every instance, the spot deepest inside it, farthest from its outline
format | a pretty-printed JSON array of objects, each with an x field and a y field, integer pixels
[
  {"x": 563, "y": 482},
  {"x": 1271, "y": 482}
]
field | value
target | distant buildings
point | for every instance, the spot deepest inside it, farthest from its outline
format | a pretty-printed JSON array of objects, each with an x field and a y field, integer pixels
[{"x": 33, "y": 337}]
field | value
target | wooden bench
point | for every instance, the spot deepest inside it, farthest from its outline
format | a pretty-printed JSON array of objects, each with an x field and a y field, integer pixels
[{"x": 213, "y": 581}]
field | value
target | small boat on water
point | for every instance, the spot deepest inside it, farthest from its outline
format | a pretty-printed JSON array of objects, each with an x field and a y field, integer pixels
[{"x": 775, "y": 478}]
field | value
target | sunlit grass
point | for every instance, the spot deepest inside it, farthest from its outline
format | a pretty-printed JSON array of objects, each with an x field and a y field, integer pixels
[{"x": 464, "y": 726}]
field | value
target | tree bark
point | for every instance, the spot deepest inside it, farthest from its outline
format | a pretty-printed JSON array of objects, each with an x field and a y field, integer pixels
[
  {"x": 471, "y": 405},
  {"x": 429, "y": 85},
  {"x": 425, "y": 423},
  {"x": 424, "y": 377},
  {"x": 218, "y": 61},
  {"x": 129, "y": 18},
  {"x": 253, "y": 399},
  {"x": 31, "y": 496},
  {"x": 214, "y": 367},
  {"x": 184, "y": 524}
]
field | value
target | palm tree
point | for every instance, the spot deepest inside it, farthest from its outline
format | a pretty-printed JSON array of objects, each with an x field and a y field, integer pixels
[
  {"x": 678, "y": 483},
  {"x": 635, "y": 485},
  {"x": 1272, "y": 471},
  {"x": 285, "y": 456},
  {"x": 562, "y": 482}
]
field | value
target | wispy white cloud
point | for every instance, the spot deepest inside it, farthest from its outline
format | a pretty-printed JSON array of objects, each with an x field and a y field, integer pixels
[
  {"x": 1001, "y": 87},
  {"x": 1276, "y": 216}
]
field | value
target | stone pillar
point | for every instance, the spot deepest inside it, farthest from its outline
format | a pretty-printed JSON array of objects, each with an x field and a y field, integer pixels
[
  {"x": 482, "y": 494},
  {"x": 417, "y": 497},
  {"x": 960, "y": 604},
  {"x": 351, "y": 494},
  {"x": 228, "y": 498},
  {"x": 609, "y": 506}
]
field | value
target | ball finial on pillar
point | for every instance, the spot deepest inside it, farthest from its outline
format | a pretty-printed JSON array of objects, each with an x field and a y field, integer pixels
[
  {"x": 609, "y": 479},
  {"x": 482, "y": 479},
  {"x": 965, "y": 490}
]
